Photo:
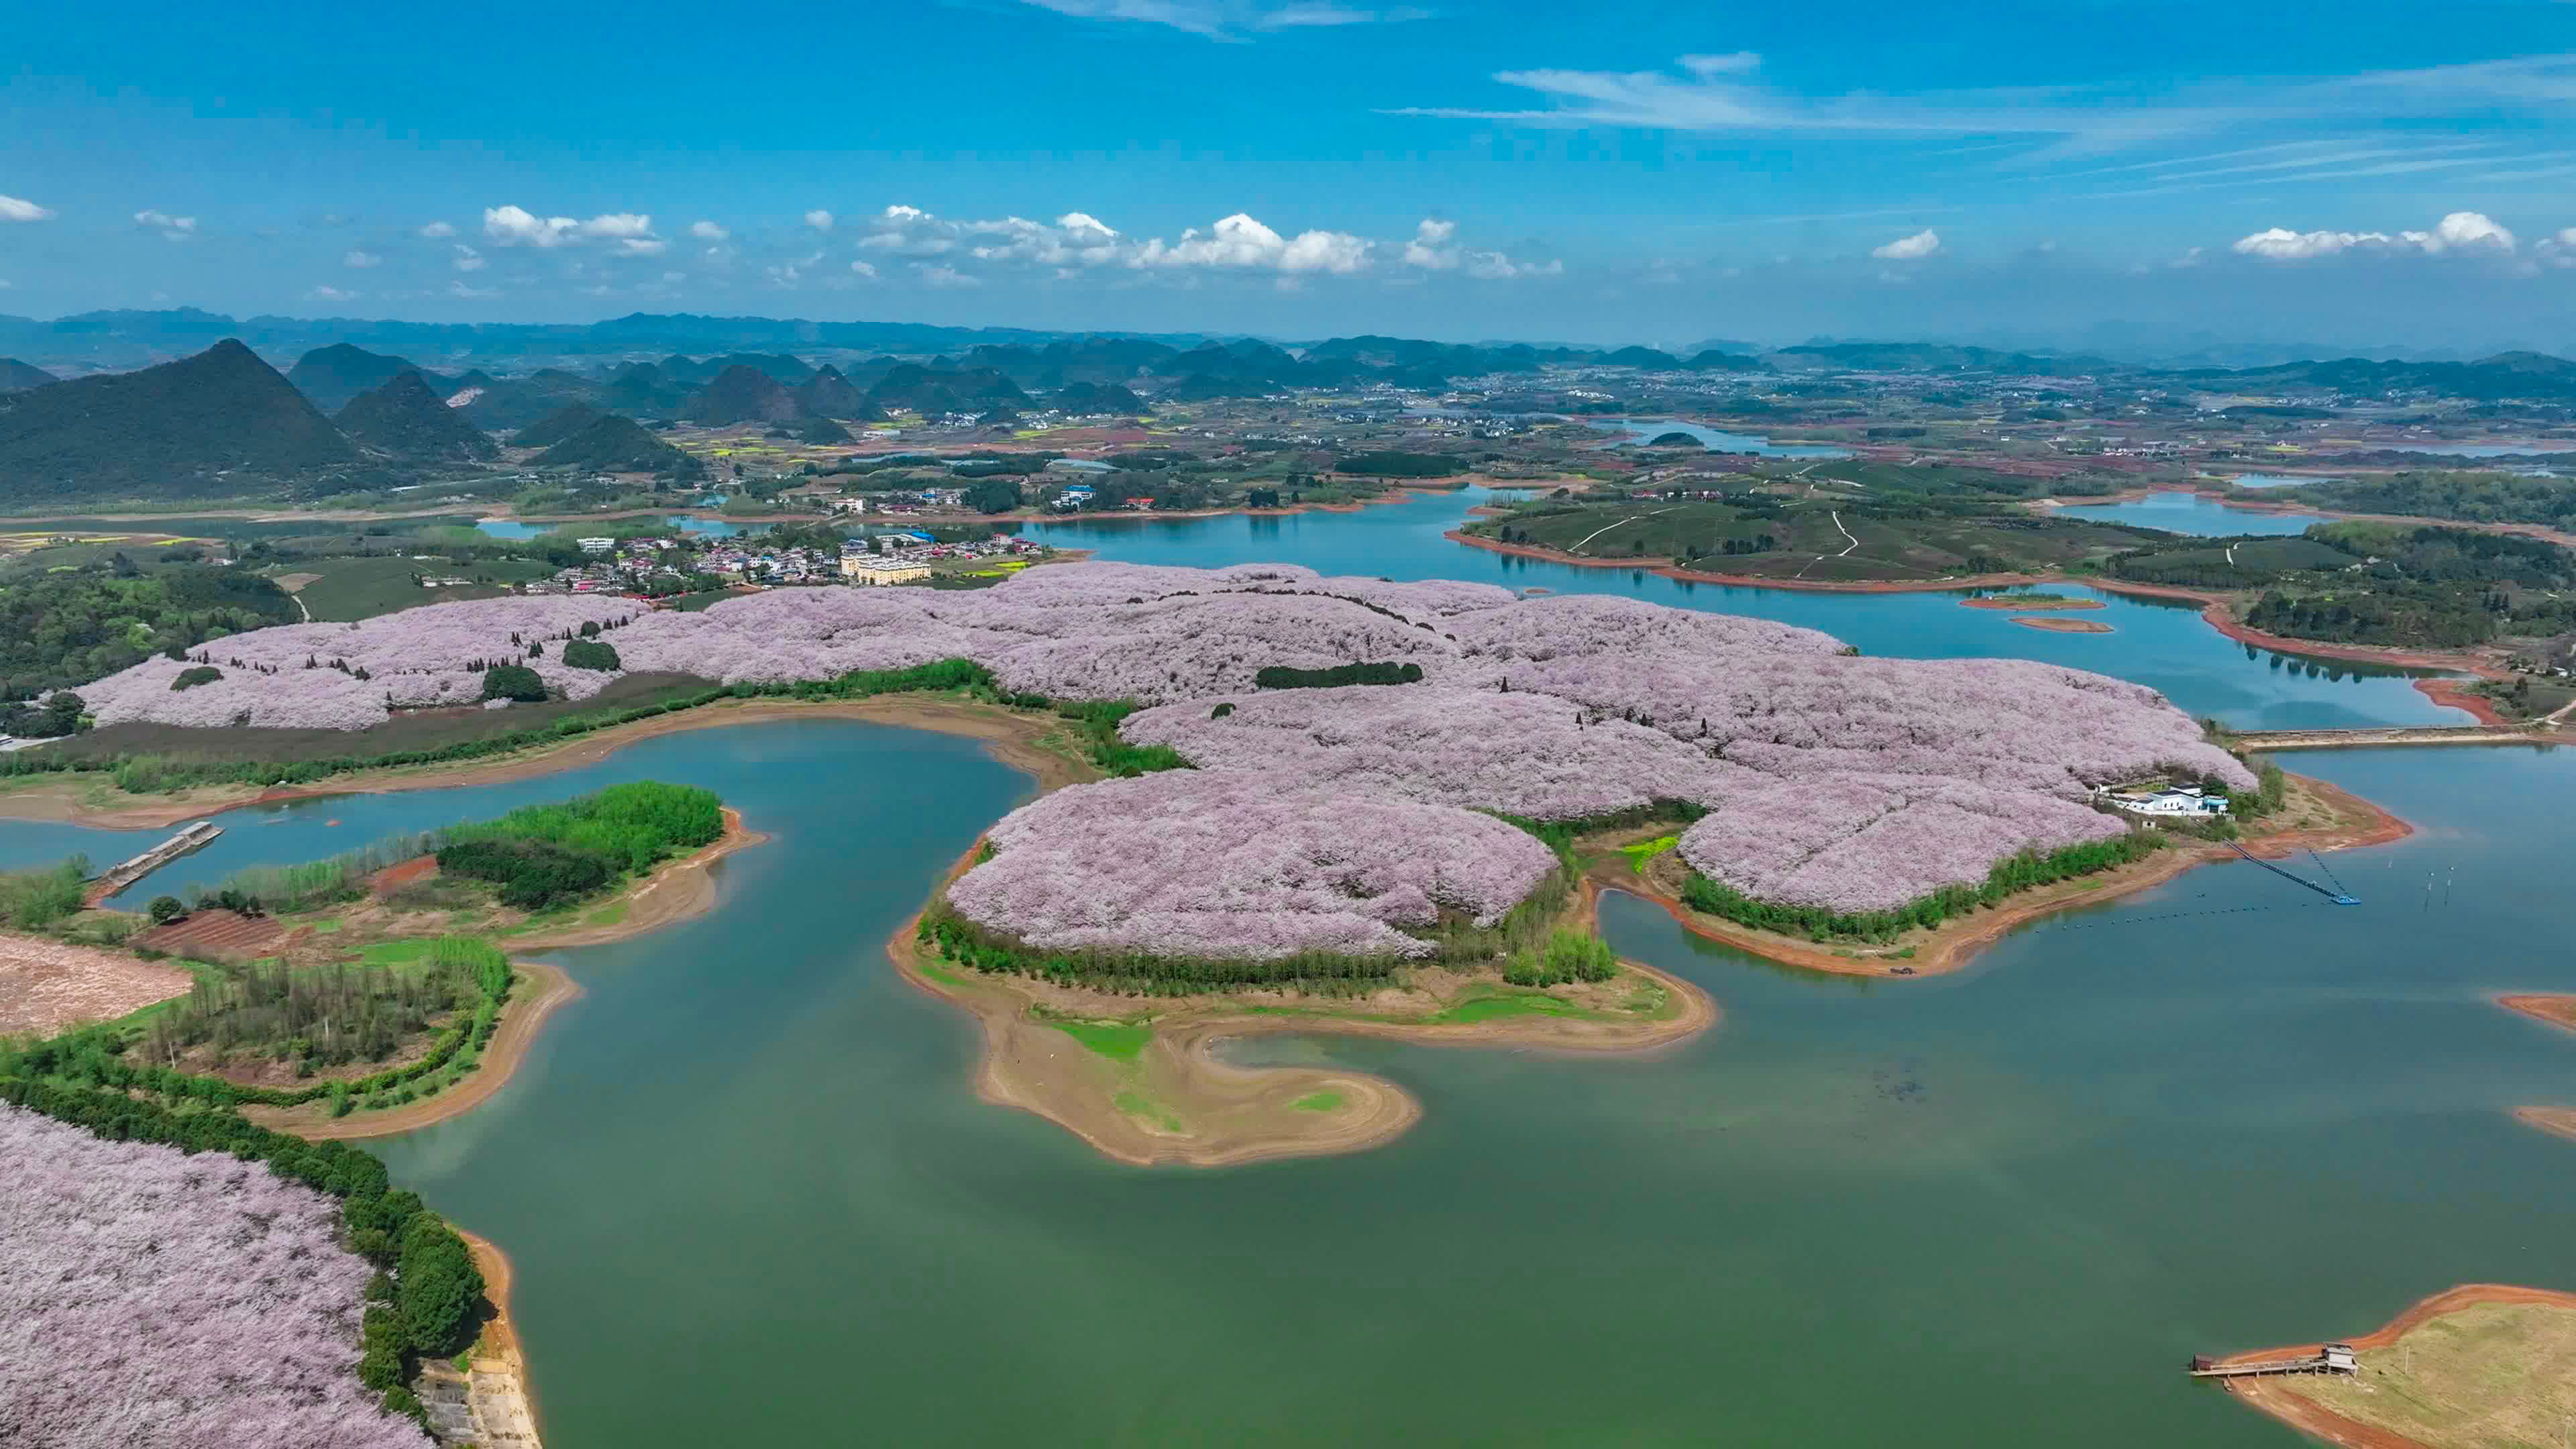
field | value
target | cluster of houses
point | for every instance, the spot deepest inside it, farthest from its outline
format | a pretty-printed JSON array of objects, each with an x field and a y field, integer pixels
[
  {"x": 2171, "y": 802},
  {"x": 902, "y": 558}
]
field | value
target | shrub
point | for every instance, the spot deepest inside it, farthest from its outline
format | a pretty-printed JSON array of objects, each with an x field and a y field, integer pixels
[
  {"x": 589, "y": 654},
  {"x": 165, "y": 909},
  {"x": 514, "y": 681},
  {"x": 1280, "y": 676},
  {"x": 192, "y": 677}
]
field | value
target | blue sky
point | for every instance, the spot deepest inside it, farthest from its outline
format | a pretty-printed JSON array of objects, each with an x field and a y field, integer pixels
[{"x": 2355, "y": 172}]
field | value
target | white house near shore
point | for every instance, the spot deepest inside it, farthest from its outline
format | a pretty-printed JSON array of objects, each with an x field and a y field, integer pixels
[{"x": 2178, "y": 800}]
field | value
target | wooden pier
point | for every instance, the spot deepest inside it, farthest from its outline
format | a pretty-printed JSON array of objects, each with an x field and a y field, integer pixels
[
  {"x": 195, "y": 837},
  {"x": 2330, "y": 1358}
]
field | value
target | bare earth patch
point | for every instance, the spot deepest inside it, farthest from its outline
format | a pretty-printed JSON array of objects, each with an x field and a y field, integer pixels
[
  {"x": 46, "y": 986},
  {"x": 2484, "y": 1366},
  {"x": 2061, "y": 626},
  {"x": 2558, "y": 1011}
]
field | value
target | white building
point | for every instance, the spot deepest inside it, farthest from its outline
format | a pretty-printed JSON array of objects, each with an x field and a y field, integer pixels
[{"x": 2177, "y": 801}]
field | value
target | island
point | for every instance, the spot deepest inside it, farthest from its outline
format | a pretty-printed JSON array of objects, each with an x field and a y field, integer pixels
[{"x": 2558, "y": 1011}]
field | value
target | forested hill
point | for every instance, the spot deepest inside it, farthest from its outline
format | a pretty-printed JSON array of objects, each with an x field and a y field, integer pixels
[
  {"x": 173, "y": 430},
  {"x": 16, "y": 376},
  {"x": 405, "y": 419}
]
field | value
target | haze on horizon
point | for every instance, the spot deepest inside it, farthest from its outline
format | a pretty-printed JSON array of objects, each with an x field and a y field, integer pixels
[{"x": 2036, "y": 175}]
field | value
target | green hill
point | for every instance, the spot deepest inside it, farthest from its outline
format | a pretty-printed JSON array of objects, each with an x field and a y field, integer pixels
[
  {"x": 16, "y": 376},
  {"x": 742, "y": 394},
  {"x": 1098, "y": 397},
  {"x": 405, "y": 419},
  {"x": 511, "y": 403},
  {"x": 331, "y": 376},
  {"x": 640, "y": 389},
  {"x": 827, "y": 394},
  {"x": 558, "y": 427},
  {"x": 619, "y": 445},
  {"x": 219, "y": 424}
]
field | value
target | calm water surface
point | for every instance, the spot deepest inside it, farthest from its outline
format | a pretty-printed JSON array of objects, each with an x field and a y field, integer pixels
[
  {"x": 2183, "y": 512},
  {"x": 1643, "y": 430}
]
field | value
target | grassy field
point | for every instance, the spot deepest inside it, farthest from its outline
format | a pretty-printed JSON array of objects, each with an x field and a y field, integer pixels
[
  {"x": 2495, "y": 1376},
  {"x": 345, "y": 589},
  {"x": 1819, "y": 540}
]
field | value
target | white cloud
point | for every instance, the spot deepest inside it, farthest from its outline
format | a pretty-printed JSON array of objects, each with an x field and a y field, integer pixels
[
  {"x": 515, "y": 226},
  {"x": 329, "y": 294},
  {"x": 1924, "y": 243},
  {"x": 176, "y": 228},
  {"x": 940, "y": 274},
  {"x": 618, "y": 224},
  {"x": 708, "y": 231},
  {"x": 1429, "y": 248},
  {"x": 1430, "y": 251},
  {"x": 2461, "y": 231},
  {"x": 864, "y": 270},
  {"x": 1239, "y": 242},
  {"x": 357, "y": 258},
  {"x": 1496, "y": 267},
  {"x": 14, "y": 209},
  {"x": 472, "y": 294},
  {"x": 468, "y": 259},
  {"x": 788, "y": 274},
  {"x": 2559, "y": 250},
  {"x": 819, "y": 219},
  {"x": 641, "y": 246},
  {"x": 438, "y": 231}
]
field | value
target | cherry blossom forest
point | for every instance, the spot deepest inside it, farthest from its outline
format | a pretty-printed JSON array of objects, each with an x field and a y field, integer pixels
[
  {"x": 1325, "y": 819},
  {"x": 184, "y": 1301}
]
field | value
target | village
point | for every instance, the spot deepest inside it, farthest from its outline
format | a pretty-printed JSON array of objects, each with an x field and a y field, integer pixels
[{"x": 676, "y": 564}]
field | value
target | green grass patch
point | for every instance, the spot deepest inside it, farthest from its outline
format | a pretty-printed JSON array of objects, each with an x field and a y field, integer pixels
[
  {"x": 1318, "y": 1102},
  {"x": 612, "y": 914},
  {"x": 397, "y": 953},
  {"x": 1119, "y": 1043},
  {"x": 1645, "y": 850},
  {"x": 1503, "y": 1006}
]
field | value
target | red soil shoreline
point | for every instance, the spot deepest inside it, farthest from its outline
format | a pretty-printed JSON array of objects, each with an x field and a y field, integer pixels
[{"x": 2314, "y": 1419}]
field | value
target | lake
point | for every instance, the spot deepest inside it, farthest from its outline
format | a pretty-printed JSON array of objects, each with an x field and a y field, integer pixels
[
  {"x": 2275, "y": 480},
  {"x": 744, "y": 1180},
  {"x": 2192, "y": 513},
  {"x": 2157, "y": 643},
  {"x": 1641, "y": 430}
]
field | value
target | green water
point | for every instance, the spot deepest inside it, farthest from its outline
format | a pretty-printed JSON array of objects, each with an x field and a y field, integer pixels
[{"x": 751, "y": 1196}]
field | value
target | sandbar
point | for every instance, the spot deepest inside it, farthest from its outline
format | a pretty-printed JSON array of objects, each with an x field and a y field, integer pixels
[{"x": 2060, "y": 626}]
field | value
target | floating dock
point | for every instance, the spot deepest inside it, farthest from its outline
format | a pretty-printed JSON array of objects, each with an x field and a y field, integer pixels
[
  {"x": 2330, "y": 1358},
  {"x": 196, "y": 837}
]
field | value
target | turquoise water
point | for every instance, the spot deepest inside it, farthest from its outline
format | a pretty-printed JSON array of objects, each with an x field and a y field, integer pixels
[
  {"x": 2193, "y": 513},
  {"x": 2159, "y": 644},
  {"x": 2274, "y": 480},
  {"x": 744, "y": 1180},
  {"x": 1641, "y": 430}
]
